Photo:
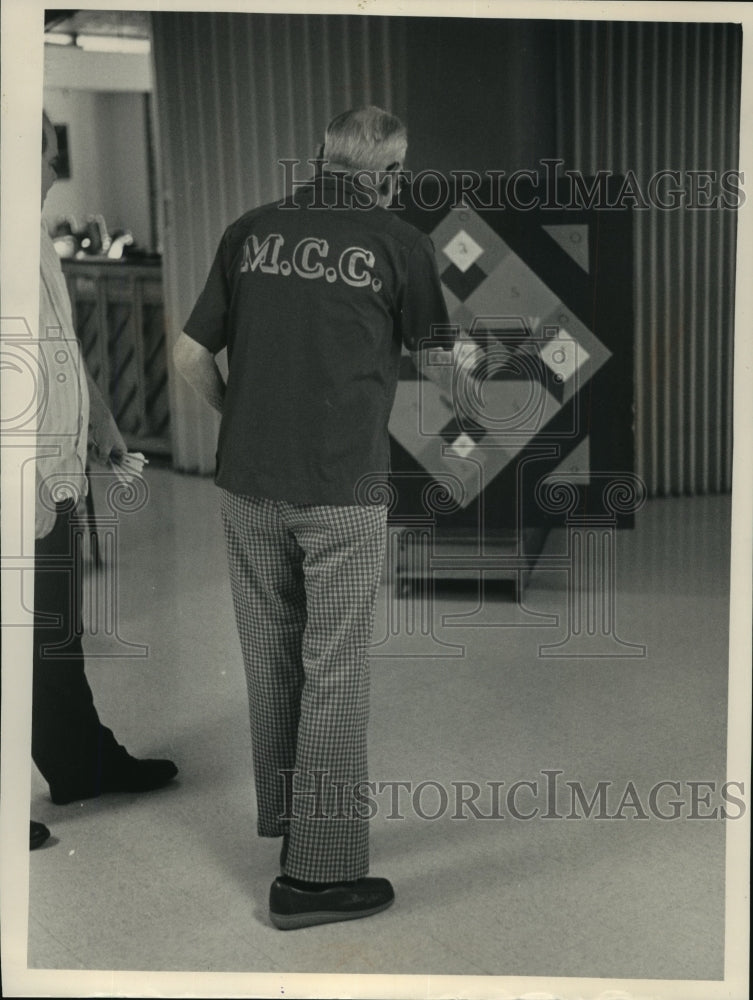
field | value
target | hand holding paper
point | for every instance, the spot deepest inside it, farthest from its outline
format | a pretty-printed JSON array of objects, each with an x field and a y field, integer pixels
[{"x": 128, "y": 465}]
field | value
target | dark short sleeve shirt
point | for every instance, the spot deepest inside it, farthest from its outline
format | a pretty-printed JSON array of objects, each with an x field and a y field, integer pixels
[{"x": 313, "y": 298}]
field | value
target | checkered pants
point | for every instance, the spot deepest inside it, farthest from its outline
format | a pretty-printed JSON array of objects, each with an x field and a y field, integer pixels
[{"x": 304, "y": 581}]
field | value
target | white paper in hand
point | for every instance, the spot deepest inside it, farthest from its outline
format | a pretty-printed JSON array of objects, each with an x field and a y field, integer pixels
[{"x": 128, "y": 466}]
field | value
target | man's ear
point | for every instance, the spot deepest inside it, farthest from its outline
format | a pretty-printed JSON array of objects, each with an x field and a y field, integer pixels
[{"x": 388, "y": 185}]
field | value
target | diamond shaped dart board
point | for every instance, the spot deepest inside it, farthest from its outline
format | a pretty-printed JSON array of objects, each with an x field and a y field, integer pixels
[{"x": 542, "y": 381}]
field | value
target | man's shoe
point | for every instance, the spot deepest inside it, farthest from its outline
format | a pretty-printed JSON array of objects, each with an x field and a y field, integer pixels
[
  {"x": 38, "y": 833},
  {"x": 140, "y": 776},
  {"x": 131, "y": 776},
  {"x": 291, "y": 906}
]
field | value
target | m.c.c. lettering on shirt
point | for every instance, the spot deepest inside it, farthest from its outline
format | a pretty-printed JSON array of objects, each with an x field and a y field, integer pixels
[{"x": 309, "y": 259}]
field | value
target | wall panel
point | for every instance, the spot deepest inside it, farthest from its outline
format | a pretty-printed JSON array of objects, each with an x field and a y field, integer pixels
[{"x": 650, "y": 97}]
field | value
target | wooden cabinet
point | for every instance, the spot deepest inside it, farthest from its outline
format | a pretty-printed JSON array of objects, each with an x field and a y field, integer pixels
[{"x": 119, "y": 317}]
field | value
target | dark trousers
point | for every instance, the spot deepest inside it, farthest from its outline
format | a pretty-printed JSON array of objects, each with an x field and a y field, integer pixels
[{"x": 69, "y": 745}]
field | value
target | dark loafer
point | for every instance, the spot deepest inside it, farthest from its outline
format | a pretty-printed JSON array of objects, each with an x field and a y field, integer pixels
[
  {"x": 291, "y": 907},
  {"x": 38, "y": 834},
  {"x": 133, "y": 775},
  {"x": 140, "y": 776}
]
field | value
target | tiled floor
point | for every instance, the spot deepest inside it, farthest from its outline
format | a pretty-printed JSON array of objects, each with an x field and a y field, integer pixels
[{"x": 178, "y": 880}]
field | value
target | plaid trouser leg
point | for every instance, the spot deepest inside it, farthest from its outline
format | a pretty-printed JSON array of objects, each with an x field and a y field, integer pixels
[
  {"x": 266, "y": 579},
  {"x": 344, "y": 551},
  {"x": 304, "y": 582}
]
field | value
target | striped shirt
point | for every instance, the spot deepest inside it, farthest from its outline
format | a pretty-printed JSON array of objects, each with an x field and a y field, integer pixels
[{"x": 63, "y": 415}]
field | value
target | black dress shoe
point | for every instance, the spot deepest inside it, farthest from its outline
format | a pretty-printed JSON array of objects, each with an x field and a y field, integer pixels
[
  {"x": 132, "y": 775},
  {"x": 140, "y": 776},
  {"x": 294, "y": 904},
  {"x": 37, "y": 835}
]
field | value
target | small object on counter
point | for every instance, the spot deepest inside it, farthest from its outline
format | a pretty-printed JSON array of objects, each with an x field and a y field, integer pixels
[
  {"x": 94, "y": 238},
  {"x": 65, "y": 246},
  {"x": 65, "y": 237},
  {"x": 119, "y": 242},
  {"x": 98, "y": 228}
]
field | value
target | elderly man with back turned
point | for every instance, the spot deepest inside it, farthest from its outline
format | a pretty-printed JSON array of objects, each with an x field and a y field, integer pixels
[
  {"x": 313, "y": 298},
  {"x": 78, "y": 756}
]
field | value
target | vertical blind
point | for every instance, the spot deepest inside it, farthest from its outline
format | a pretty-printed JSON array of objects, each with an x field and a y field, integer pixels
[
  {"x": 235, "y": 94},
  {"x": 645, "y": 98}
]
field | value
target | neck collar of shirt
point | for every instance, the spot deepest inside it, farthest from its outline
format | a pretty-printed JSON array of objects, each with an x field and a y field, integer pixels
[{"x": 336, "y": 188}]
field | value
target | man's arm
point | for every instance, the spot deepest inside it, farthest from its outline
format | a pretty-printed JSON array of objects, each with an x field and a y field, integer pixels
[
  {"x": 425, "y": 327},
  {"x": 197, "y": 366}
]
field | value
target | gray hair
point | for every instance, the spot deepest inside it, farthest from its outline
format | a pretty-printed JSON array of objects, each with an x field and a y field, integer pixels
[{"x": 365, "y": 139}]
